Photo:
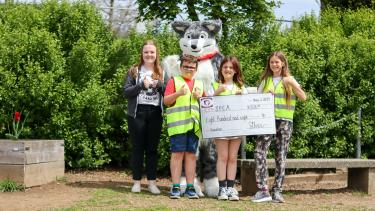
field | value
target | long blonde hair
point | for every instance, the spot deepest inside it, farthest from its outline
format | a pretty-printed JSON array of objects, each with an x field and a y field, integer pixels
[
  {"x": 157, "y": 71},
  {"x": 284, "y": 73}
]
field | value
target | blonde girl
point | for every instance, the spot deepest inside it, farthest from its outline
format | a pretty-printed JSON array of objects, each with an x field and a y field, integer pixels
[{"x": 276, "y": 79}]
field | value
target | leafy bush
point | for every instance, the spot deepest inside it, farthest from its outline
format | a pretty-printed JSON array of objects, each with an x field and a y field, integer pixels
[{"x": 52, "y": 68}]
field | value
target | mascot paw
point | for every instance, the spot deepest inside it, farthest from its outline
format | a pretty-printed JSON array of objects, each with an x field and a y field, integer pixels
[
  {"x": 183, "y": 184},
  {"x": 198, "y": 188},
  {"x": 211, "y": 187}
]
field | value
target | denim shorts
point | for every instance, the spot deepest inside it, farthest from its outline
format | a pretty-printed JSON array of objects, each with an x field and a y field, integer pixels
[{"x": 186, "y": 142}]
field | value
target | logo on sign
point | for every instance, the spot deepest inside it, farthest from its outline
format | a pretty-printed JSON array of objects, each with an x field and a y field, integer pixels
[{"x": 207, "y": 102}]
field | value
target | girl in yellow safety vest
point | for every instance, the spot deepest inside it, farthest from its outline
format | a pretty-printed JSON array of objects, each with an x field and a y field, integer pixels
[
  {"x": 230, "y": 83},
  {"x": 277, "y": 80}
]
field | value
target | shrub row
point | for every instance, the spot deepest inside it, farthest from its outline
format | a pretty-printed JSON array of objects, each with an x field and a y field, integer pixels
[{"x": 60, "y": 63}]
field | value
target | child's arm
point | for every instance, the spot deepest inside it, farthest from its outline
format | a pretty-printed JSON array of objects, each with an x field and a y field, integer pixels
[
  {"x": 296, "y": 87},
  {"x": 171, "y": 99},
  {"x": 131, "y": 88}
]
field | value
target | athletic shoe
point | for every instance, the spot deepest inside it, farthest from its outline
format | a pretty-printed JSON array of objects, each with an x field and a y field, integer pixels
[
  {"x": 153, "y": 189},
  {"x": 136, "y": 187},
  {"x": 262, "y": 196},
  {"x": 190, "y": 193},
  {"x": 277, "y": 197},
  {"x": 222, "y": 194},
  {"x": 232, "y": 194},
  {"x": 175, "y": 193}
]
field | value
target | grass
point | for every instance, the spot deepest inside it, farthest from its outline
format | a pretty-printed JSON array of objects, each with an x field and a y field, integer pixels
[
  {"x": 120, "y": 198},
  {"x": 9, "y": 185},
  {"x": 62, "y": 179}
]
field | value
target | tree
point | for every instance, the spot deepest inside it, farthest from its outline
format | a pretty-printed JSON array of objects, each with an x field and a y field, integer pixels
[
  {"x": 254, "y": 12},
  {"x": 347, "y": 4},
  {"x": 119, "y": 14}
]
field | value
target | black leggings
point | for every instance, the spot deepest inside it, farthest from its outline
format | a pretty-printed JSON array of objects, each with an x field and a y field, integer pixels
[{"x": 144, "y": 131}]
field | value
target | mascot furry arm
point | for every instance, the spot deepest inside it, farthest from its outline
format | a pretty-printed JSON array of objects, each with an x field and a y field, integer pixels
[{"x": 198, "y": 39}]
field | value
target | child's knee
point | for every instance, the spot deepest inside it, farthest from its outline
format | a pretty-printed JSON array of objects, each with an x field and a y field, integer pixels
[
  {"x": 177, "y": 156},
  {"x": 190, "y": 155}
]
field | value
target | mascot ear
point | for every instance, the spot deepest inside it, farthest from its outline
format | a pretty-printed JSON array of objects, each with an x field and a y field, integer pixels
[
  {"x": 213, "y": 26},
  {"x": 180, "y": 27}
]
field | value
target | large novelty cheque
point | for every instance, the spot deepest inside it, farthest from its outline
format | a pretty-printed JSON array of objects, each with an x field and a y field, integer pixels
[{"x": 237, "y": 115}]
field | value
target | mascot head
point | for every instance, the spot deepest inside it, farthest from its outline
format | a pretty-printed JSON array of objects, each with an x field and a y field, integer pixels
[{"x": 197, "y": 38}]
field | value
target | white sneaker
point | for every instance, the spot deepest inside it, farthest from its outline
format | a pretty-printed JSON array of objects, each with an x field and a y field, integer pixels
[
  {"x": 222, "y": 194},
  {"x": 153, "y": 189},
  {"x": 136, "y": 187},
  {"x": 232, "y": 194}
]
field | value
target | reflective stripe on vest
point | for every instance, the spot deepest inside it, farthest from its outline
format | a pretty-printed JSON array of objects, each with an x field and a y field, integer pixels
[
  {"x": 215, "y": 85},
  {"x": 282, "y": 109},
  {"x": 183, "y": 116}
]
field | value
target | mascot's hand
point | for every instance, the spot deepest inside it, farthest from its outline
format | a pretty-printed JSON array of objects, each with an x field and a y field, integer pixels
[{"x": 197, "y": 93}]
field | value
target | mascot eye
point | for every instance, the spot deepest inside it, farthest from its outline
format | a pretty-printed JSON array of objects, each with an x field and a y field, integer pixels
[
  {"x": 188, "y": 36},
  {"x": 202, "y": 36}
]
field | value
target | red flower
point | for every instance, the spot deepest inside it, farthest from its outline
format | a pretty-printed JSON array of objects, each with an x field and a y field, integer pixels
[{"x": 17, "y": 116}]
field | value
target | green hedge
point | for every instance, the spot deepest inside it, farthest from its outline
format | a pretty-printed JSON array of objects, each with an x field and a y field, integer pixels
[
  {"x": 53, "y": 57},
  {"x": 60, "y": 63}
]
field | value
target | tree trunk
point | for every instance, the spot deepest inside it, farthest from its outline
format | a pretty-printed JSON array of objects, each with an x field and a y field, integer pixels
[{"x": 110, "y": 14}]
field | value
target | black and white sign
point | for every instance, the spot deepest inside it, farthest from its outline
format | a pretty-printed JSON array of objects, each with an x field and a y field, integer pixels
[{"x": 237, "y": 115}]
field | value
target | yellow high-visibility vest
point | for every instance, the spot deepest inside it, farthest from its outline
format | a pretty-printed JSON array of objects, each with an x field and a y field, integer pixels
[
  {"x": 227, "y": 92},
  {"x": 282, "y": 109},
  {"x": 184, "y": 116}
]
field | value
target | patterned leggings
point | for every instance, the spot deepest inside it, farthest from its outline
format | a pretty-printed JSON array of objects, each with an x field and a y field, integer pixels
[{"x": 283, "y": 133}]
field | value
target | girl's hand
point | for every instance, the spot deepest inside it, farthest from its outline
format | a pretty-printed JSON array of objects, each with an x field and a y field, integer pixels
[
  {"x": 197, "y": 93},
  {"x": 154, "y": 83},
  {"x": 146, "y": 83},
  {"x": 220, "y": 89}
]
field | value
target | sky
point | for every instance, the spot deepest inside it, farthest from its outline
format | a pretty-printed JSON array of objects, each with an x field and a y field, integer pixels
[{"x": 293, "y": 9}]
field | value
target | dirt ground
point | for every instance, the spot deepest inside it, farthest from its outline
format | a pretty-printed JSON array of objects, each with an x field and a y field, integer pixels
[{"x": 77, "y": 186}]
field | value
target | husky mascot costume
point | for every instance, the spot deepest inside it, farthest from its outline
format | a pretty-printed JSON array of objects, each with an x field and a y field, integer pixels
[{"x": 198, "y": 39}]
